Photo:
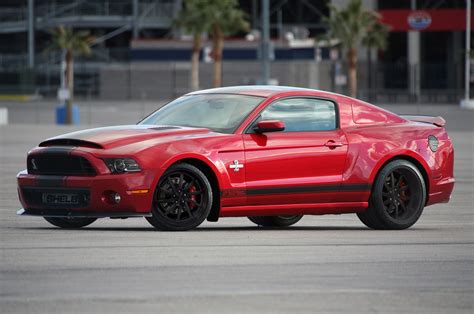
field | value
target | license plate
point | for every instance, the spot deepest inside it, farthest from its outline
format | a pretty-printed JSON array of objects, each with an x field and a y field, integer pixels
[{"x": 60, "y": 198}]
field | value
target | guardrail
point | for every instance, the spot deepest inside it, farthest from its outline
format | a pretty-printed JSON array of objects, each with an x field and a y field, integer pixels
[{"x": 17, "y": 62}]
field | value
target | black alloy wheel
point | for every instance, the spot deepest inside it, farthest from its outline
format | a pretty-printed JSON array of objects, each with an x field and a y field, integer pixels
[
  {"x": 275, "y": 221},
  {"x": 182, "y": 199},
  {"x": 398, "y": 197},
  {"x": 70, "y": 223}
]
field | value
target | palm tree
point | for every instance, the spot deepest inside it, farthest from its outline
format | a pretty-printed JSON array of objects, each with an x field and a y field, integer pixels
[
  {"x": 350, "y": 25},
  {"x": 193, "y": 19},
  {"x": 225, "y": 19},
  {"x": 71, "y": 44}
]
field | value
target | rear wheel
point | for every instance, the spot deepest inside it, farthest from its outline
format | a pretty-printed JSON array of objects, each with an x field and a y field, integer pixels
[
  {"x": 275, "y": 221},
  {"x": 398, "y": 197},
  {"x": 70, "y": 223},
  {"x": 182, "y": 199}
]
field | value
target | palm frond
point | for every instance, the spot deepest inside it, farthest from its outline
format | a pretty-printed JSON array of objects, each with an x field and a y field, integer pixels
[
  {"x": 64, "y": 38},
  {"x": 353, "y": 25}
]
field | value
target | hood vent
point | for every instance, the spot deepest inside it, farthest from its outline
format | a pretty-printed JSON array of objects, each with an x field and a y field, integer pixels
[{"x": 161, "y": 128}]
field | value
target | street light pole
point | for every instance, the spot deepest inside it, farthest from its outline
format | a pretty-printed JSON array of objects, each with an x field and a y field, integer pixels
[
  {"x": 466, "y": 102},
  {"x": 135, "y": 29},
  {"x": 468, "y": 52},
  {"x": 31, "y": 34},
  {"x": 265, "y": 38},
  {"x": 414, "y": 59}
]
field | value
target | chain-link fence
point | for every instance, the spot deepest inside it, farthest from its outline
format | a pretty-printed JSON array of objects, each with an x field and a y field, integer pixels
[{"x": 109, "y": 74}]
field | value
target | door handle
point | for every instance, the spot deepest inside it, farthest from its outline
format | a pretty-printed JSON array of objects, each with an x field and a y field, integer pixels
[{"x": 333, "y": 144}]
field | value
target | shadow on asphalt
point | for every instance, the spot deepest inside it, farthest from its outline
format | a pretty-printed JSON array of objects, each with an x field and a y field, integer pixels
[{"x": 226, "y": 229}]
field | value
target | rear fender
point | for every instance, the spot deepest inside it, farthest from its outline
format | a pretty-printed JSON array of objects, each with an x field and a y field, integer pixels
[{"x": 400, "y": 154}]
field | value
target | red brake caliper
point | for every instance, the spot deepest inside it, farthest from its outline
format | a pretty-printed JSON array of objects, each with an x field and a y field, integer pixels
[
  {"x": 192, "y": 203},
  {"x": 403, "y": 194}
]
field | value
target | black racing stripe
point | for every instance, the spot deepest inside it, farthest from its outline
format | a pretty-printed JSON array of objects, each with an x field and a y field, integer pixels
[
  {"x": 355, "y": 187},
  {"x": 50, "y": 181},
  {"x": 306, "y": 189}
]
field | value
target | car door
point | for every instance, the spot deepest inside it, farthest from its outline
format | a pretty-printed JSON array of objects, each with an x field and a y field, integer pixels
[{"x": 302, "y": 164}]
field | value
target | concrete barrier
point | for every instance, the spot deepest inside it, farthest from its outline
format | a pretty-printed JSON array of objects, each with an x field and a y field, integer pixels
[
  {"x": 3, "y": 116},
  {"x": 467, "y": 104}
]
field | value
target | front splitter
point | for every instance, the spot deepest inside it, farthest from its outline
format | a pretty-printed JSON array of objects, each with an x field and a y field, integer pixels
[{"x": 77, "y": 214}]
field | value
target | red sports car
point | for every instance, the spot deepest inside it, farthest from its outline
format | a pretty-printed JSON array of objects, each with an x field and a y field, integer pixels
[{"x": 270, "y": 153}]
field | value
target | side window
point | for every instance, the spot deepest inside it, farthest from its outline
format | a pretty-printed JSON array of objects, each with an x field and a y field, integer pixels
[{"x": 302, "y": 114}]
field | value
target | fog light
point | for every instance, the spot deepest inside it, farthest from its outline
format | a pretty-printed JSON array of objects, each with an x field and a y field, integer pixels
[{"x": 116, "y": 198}]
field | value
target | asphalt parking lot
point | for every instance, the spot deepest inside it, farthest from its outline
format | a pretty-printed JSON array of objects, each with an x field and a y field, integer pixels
[{"x": 322, "y": 264}]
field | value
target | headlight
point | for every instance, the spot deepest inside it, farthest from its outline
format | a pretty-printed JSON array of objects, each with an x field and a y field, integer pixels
[
  {"x": 121, "y": 165},
  {"x": 433, "y": 143}
]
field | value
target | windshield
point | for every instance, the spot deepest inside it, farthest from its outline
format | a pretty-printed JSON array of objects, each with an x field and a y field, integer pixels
[{"x": 218, "y": 112}]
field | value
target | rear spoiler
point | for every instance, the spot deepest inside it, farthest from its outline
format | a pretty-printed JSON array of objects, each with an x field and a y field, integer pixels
[{"x": 438, "y": 121}]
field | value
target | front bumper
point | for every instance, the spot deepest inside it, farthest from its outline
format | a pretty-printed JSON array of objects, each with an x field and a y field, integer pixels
[{"x": 94, "y": 193}]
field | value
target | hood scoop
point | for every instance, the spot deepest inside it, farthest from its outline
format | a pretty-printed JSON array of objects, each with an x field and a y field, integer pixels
[{"x": 69, "y": 142}]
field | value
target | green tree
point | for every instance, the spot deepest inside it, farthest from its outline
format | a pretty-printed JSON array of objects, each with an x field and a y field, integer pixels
[
  {"x": 71, "y": 44},
  {"x": 225, "y": 18},
  {"x": 193, "y": 19},
  {"x": 352, "y": 25},
  {"x": 218, "y": 18}
]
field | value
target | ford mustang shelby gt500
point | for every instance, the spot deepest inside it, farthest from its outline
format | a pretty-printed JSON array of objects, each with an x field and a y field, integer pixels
[{"x": 270, "y": 153}]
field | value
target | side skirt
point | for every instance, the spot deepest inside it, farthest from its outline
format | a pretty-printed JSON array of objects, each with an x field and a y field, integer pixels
[{"x": 294, "y": 209}]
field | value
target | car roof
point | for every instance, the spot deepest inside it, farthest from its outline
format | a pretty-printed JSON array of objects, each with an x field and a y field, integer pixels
[{"x": 259, "y": 90}]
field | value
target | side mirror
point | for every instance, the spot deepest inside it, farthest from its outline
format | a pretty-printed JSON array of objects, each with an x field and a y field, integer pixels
[{"x": 269, "y": 126}]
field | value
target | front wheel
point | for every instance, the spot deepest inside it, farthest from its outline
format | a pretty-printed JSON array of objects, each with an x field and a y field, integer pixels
[
  {"x": 70, "y": 223},
  {"x": 275, "y": 221},
  {"x": 182, "y": 199},
  {"x": 398, "y": 197}
]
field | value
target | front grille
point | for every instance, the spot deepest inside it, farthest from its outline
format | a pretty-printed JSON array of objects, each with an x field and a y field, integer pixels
[
  {"x": 59, "y": 164},
  {"x": 33, "y": 196}
]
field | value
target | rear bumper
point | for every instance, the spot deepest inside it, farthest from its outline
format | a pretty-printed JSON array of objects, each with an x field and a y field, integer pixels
[
  {"x": 94, "y": 193},
  {"x": 441, "y": 191}
]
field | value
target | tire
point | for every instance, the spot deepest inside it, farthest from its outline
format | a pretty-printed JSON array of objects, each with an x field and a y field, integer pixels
[
  {"x": 275, "y": 221},
  {"x": 182, "y": 199},
  {"x": 398, "y": 197},
  {"x": 70, "y": 223}
]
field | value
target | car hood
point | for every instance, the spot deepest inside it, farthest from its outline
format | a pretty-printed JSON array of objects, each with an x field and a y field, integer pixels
[{"x": 110, "y": 137}]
